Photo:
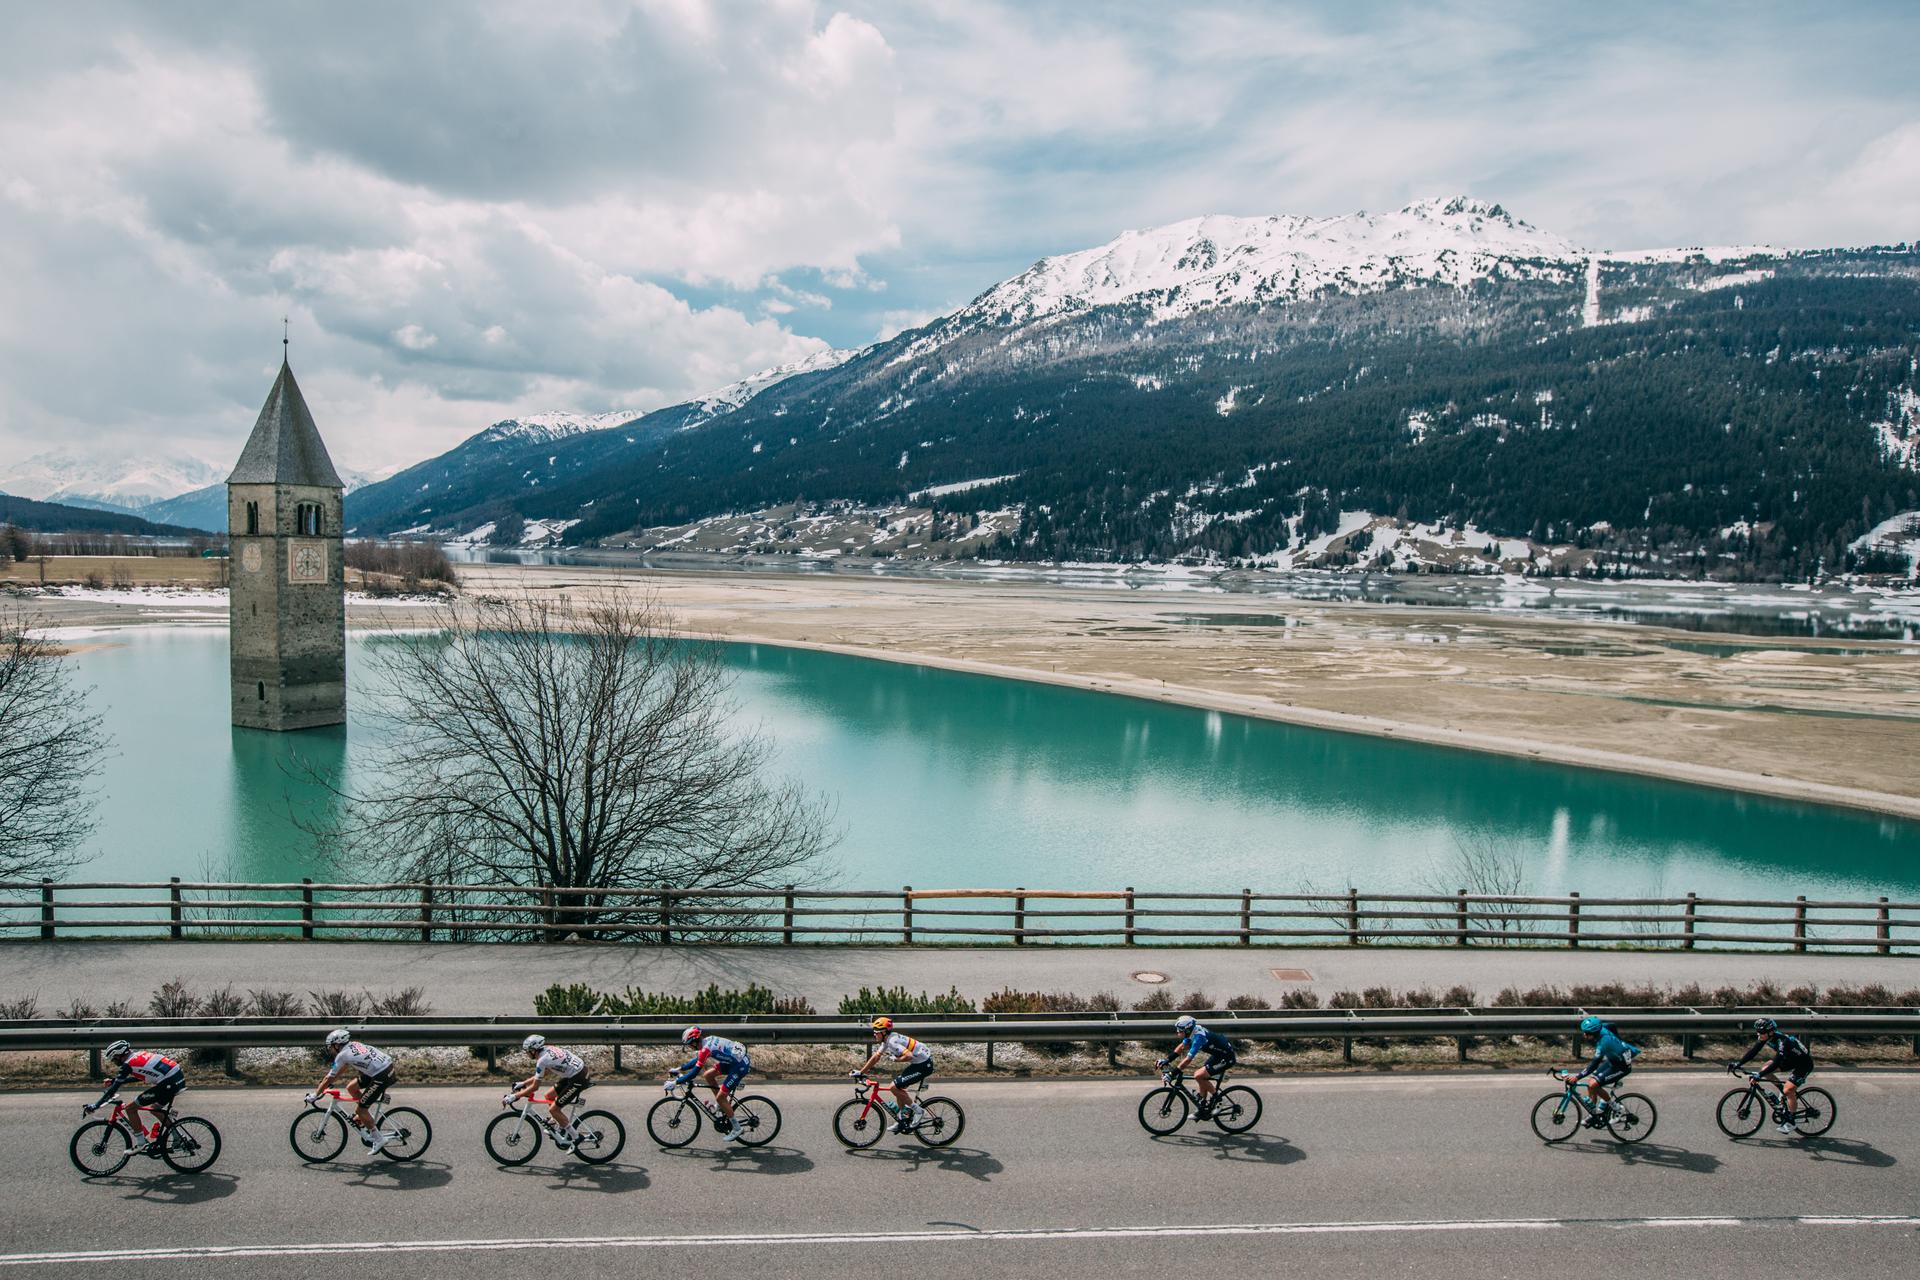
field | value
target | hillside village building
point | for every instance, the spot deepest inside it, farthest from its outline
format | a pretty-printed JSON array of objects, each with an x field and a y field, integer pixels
[{"x": 288, "y": 607}]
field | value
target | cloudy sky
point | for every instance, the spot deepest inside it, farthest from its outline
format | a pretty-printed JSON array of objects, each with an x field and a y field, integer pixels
[{"x": 475, "y": 210}]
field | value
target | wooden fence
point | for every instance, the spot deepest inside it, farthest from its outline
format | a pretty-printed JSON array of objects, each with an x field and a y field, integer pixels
[{"x": 789, "y": 915}]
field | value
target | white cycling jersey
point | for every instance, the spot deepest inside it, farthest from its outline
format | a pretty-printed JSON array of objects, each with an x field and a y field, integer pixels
[
  {"x": 563, "y": 1063},
  {"x": 905, "y": 1046},
  {"x": 364, "y": 1058},
  {"x": 149, "y": 1067}
]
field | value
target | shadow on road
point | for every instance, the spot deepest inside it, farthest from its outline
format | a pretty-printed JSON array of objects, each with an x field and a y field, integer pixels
[
  {"x": 731, "y": 1159},
  {"x": 1250, "y": 1148},
  {"x": 1841, "y": 1151},
  {"x": 575, "y": 1176},
  {"x": 976, "y": 1164},
  {"x": 174, "y": 1188},
  {"x": 1660, "y": 1156},
  {"x": 414, "y": 1175}
]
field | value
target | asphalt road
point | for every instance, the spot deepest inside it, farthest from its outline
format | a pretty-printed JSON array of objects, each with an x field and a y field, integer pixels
[{"x": 1364, "y": 1176}]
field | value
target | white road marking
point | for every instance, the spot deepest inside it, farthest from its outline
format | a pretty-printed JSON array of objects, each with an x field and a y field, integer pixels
[{"x": 204, "y": 1253}]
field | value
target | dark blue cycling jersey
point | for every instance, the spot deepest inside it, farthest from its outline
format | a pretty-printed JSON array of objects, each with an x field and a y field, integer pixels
[
  {"x": 1788, "y": 1049},
  {"x": 1212, "y": 1043}
]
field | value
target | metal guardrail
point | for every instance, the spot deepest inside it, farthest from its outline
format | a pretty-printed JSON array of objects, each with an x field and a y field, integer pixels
[{"x": 426, "y": 912}]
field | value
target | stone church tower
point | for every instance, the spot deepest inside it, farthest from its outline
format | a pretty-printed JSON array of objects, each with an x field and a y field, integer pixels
[{"x": 289, "y": 601}]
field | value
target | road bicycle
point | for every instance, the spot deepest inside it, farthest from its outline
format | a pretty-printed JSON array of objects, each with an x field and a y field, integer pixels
[
  {"x": 1163, "y": 1110},
  {"x": 1742, "y": 1111},
  {"x": 1629, "y": 1117},
  {"x": 514, "y": 1138},
  {"x": 101, "y": 1147},
  {"x": 319, "y": 1133},
  {"x": 675, "y": 1120},
  {"x": 863, "y": 1118}
]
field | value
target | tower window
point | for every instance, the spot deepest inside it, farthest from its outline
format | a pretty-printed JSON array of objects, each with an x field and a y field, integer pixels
[
  {"x": 260, "y": 690},
  {"x": 308, "y": 519},
  {"x": 253, "y": 517}
]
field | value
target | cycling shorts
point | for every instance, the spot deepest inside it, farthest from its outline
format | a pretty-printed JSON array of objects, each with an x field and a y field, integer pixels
[
  {"x": 734, "y": 1075},
  {"x": 570, "y": 1089},
  {"x": 1794, "y": 1069},
  {"x": 374, "y": 1088},
  {"x": 1612, "y": 1072},
  {"x": 1217, "y": 1062},
  {"x": 162, "y": 1091},
  {"x": 913, "y": 1074}
]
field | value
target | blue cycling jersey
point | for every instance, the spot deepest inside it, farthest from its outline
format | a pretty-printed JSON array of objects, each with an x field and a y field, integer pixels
[
  {"x": 728, "y": 1053},
  {"x": 1201, "y": 1040},
  {"x": 1611, "y": 1050}
]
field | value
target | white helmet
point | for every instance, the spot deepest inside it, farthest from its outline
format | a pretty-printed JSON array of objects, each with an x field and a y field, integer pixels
[
  {"x": 337, "y": 1038},
  {"x": 1184, "y": 1022},
  {"x": 534, "y": 1044}
]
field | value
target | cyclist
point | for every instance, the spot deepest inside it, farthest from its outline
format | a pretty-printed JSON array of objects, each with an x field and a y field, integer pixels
[
  {"x": 373, "y": 1076},
  {"x": 162, "y": 1077},
  {"x": 1790, "y": 1055},
  {"x": 569, "y": 1072},
  {"x": 919, "y": 1059},
  {"x": 1194, "y": 1041},
  {"x": 724, "y": 1064},
  {"x": 1612, "y": 1062}
]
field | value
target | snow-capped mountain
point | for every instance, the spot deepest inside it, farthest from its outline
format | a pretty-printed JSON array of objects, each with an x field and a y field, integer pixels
[
  {"x": 107, "y": 481},
  {"x": 536, "y": 428},
  {"x": 1220, "y": 260},
  {"x": 735, "y": 394}
]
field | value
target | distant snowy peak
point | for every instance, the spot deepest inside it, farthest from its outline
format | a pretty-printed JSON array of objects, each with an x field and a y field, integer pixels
[
  {"x": 1221, "y": 260},
  {"x": 735, "y": 394},
  {"x": 106, "y": 479},
  {"x": 540, "y": 428}
]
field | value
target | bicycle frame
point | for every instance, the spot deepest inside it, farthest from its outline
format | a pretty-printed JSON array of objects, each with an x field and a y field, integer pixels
[
  {"x": 710, "y": 1106},
  {"x": 527, "y": 1113},
  {"x": 1771, "y": 1092},
  {"x": 344, "y": 1104},
  {"x": 874, "y": 1092},
  {"x": 1183, "y": 1082},
  {"x": 119, "y": 1116},
  {"x": 1573, "y": 1094}
]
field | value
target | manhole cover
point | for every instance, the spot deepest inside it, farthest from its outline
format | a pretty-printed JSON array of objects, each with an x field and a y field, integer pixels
[
  {"x": 1291, "y": 975},
  {"x": 1149, "y": 977}
]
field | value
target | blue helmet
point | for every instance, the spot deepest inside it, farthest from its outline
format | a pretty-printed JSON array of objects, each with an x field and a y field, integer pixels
[{"x": 1590, "y": 1025}]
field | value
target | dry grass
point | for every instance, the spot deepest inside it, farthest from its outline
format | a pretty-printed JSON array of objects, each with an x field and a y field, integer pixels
[{"x": 139, "y": 571}]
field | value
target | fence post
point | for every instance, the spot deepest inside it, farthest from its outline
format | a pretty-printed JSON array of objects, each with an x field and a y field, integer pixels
[
  {"x": 1131, "y": 941},
  {"x": 1800, "y": 923},
  {"x": 46, "y": 909},
  {"x": 1353, "y": 939},
  {"x": 666, "y": 918},
  {"x": 1020, "y": 917},
  {"x": 906, "y": 913},
  {"x": 1460, "y": 929},
  {"x": 1883, "y": 932},
  {"x": 1573, "y": 919},
  {"x": 306, "y": 909},
  {"x": 426, "y": 913},
  {"x": 174, "y": 913},
  {"x": 1246, "y": 917},
  {"x": 786, "y": 920},
  {"x": 1693, "y": 903}
]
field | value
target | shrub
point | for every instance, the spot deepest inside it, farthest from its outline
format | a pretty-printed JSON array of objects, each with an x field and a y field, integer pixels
[
  {"x": 173, "y": 1000},
  {"x": 408, "y": 1002},
  {"x": 1459, "y": 998},
  {"x": 93, "y": 581},
  {"x": 118, "y": 1009},
  {"x": 1300, "y": 1000},
  {"x": 224, "y": 1003},
  {"x": 793, "y": 1006},
  {"x": 575, "y": 1001},
  {"x": 340, "y": 1006},
  {"x": 78, "y": 1010},
  {"x": 634, "y": 1002},
  {"x": 898, "y": 1001},
  {"x": 1194, "y": 1001},
  {"x": 275, "y": 1004},
  {"x": 1345, "y": 1000},
  {"x": 20, "y": 1008},
  {"x": 1158, "y": 1000},
  {"x": 1249, "y": 1002}
]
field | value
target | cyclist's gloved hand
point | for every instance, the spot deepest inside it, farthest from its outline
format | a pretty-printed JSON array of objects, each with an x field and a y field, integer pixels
[
  {"x": 88, "y": 1108},
  {"x": 506, "y": 1099}
]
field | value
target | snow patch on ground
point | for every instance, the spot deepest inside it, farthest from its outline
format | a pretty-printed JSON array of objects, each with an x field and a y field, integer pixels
[
  {"x": 961, "y": 486},
  {"x": 1899, "y": 432}
]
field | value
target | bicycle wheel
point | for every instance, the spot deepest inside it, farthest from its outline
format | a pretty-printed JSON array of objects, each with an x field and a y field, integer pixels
[
  {"x": 1557, "y": 1117},
  {"x": 1632, "y": 1117},
  {"x": 1163, "y": 1110},
  {"x": 1236, "y": 1109},
  {"x": 412, "y": 1135},
  {"x": 1740, "y": 1113},
  {"x": 943, "y": 1124},
  {"x": 1816, "y": 1114},
  {"x": 673, "y": 1122},
  {"x": 755, "y": 1120},
  {"x": 859, "y": 1123},
  {"x": 317, "y": 1136},
  {"x": 599, "y": 1136},
  {"x": 100, "y": 1148},
  {"x": 512, "y": 1139},
  {"x": 192, "y": 1144}
]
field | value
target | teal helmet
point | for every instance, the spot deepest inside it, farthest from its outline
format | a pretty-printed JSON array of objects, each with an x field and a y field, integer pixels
[{"x": 1590, "y": 1025}]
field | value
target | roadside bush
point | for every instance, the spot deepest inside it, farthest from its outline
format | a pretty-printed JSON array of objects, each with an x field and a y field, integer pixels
[
  {"x": 173, "y": 1000},
  {"x": 20, "y": 1008},
  {"x": 224, "y": 1003},
  {"x": 1300, "y": 1000},
  {"x": 577, "y": 1000},
  {"x": 340, "y": 1006},
  {"x": 1249, "y": 1002},
  {"x": 1195, "y": 1001},
  {"x": 408, "y": 1002},
  {"x": 793, "y": 1006},
  {"x": 899, "y": 1002},
  {"x": 78, "y": 1010},
  {"x": 274, "y": 1004},
  {"x": 118, "y": 1009},
  {"x": 634, "y": 1003},
  {"x": 1158, "y": 1000}
]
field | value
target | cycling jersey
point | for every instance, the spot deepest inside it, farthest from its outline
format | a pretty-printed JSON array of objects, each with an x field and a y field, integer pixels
[
  {"x": 560, "y": 1062},
  {"x": 730, "y": 1054},
  {"x": 364, "y": 1058},
  {"x": 1611, "y": 1054},
  {"x": 147, "y": 1067},
  {"x": 160, "y": 1073},
  {"x": 1212, "y": 1043},
  {"x": 1787, "y": 1050},
  {"x": 905, "y": 1046}
]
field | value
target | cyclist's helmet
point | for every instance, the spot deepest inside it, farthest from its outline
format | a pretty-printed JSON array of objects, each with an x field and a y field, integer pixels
[
  {"x": 119, "y": 1050},
  {"x": 534, "y": 1044},
  {"x": 338, "y": 1038},
  {"x": 692, "y": 1035},
  {"x": 1765, "y": 1026},
  {"x": 1184, "y": 1023},
  {"x": 882, "y": 1023},
  {"x": 1590, "y": 1025}
]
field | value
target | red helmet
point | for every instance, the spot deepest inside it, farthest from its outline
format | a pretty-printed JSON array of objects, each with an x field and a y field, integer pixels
[{"x": 692, "y": 1035}]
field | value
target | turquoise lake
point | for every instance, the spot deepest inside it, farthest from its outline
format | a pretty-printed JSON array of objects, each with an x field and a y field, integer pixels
[{"x": 950, "y": 780}]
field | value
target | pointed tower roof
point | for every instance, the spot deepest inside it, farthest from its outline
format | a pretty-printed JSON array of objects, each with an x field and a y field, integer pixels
[{"x": 285, "y": 446}]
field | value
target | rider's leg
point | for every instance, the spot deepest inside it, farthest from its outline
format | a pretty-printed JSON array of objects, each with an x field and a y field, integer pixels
[
  {"x": 556, "y": 1111},
  {"x": 360, "y": 1116},
  {"x": 135, "y": 1123},
  {"x": 1792, "y": 1091},
  {"x": 1203, "y": 1084},
  {"x": 720, "y": 1094}
]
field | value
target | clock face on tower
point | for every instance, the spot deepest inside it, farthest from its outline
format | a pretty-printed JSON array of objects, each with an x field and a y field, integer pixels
[
  {"x": 308, "y": 563},
  {"x": 250, "y": 557}
]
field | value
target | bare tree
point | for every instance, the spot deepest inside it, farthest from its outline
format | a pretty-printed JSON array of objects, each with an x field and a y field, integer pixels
[
  {"x": 533, "y": 750},
  {"x": 1485, "y": 870},
  {"x": 50, "y": 745}
]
